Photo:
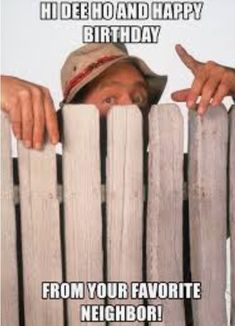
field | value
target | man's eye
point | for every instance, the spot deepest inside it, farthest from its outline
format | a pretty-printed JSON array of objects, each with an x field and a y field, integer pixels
[
  {"x": 110, "y": 100},
  {"x": 138, "y": 99}
]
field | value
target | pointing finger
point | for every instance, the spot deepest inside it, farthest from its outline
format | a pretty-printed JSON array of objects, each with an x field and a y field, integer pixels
[{"x": 187, "y": 59}]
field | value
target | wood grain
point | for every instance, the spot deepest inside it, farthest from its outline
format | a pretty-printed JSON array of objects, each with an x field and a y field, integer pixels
[
  {"x": 208, "y": 139},
  {"x": 40, "y": 234},
  {"x": 165, "y": 199},
  {"x": 232, "y": 207},
  {"x": 9, "y": 279},
  {"x": 125, "y": 197},
  {"x": 82, "y": 201}
]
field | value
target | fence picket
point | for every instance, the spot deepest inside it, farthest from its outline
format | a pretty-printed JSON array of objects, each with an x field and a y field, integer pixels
[
  {"x": 207, "y": 209},
  {"x": 9, "y": 280},
  {"x": 125, "y": 196},
  {"x": 82, "y": 201},
  {"x": 40, "y": 234},
  {"x": 165, "y": 200},
  {"x": 232, "y": 208}
]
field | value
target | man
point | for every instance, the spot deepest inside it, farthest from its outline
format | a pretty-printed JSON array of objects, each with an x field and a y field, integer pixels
[{"x": 105, "y": 75}]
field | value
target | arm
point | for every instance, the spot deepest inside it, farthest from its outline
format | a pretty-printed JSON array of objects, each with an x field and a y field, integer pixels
[
  {"x": 31, "y": 111},
  {"x": 212, "y": 82}
]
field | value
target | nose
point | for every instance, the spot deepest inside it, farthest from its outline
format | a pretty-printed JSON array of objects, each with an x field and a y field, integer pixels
[{"x": 125, "y": 99}]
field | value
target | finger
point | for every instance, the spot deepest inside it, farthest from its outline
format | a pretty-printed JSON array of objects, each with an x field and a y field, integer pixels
[
  {"x": 222, "y": 91},
  {"x": 27, "y": 118},
  {"x": 180, "y": 95},
  {"x": 196, "y": 89},
  {"x": 208, "y": 92},
  {"x": 39, "y": 118},
  {"x": 15, "y": 117},
  {"x": 51, "y": 119},
  {"x": 187, "y": 59}
]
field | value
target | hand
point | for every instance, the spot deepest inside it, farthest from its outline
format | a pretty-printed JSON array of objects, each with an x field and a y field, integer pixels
[
  {"x": 211, "y": 81},
  {"x": 31, "y": 111}
]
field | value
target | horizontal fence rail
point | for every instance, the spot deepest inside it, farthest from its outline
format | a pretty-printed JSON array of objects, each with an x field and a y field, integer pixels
[{"x": 126, "y": 228}]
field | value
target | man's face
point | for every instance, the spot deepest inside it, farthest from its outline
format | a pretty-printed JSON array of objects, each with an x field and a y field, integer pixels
[{"x": 121, "y": 84}]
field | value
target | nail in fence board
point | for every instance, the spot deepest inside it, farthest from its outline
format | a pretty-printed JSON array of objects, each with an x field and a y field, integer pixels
[
  {"x": 124, "y": 180},
  {"x": 9, "y": 280},
  {"x": 165, "y": 200},
  {"x": 82, "y": 201},
  {"x": 208, "y": 136},
  {"x": 40, "y": 234},
  {"x": 232, "y": 207}
]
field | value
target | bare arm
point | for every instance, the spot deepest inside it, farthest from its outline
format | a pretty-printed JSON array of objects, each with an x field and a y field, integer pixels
[{"x": 31, "y": 111}]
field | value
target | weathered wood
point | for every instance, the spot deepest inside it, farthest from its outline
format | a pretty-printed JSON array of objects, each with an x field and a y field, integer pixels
[
  {"x": 9, "y": 280},
  {"x": 208, "y": 137},
  {"x": 165, "y": 200},
  {"x": 40, "y": 234},
  {"x": 232, "y": 208},
  {"x": 103, "y": 193},
  {"x": 59, "y": 193},
  {"x": 124, "y": 178},
  {"x": 82, "y": 201},
  {"x": 82, "y": 195}
]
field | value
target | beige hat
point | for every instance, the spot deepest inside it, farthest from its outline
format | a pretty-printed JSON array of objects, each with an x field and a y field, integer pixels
[{"x": 89, "y": 61}]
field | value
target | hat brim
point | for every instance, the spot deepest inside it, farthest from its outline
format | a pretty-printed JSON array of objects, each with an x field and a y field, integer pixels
[{"x": 156, "y": 82}]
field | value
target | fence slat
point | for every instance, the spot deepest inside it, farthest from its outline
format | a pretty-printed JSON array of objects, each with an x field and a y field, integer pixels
[
  {"x": 124, "y": 172},
  {"x": 82, "y": 201},
  {"x": 232, "y": 208},
  {"x": 9, "y": 280},
  {"x": 208, "y": 137},
  {"x": 40, "y": 234},
  {"x": 165, "y": 200}
]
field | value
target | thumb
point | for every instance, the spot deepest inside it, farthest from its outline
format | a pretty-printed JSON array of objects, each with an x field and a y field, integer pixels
[{"x": 181, "y": 95}]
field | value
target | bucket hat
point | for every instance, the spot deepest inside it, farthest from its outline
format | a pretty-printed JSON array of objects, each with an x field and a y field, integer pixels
[{"x": 89, "y": 61}]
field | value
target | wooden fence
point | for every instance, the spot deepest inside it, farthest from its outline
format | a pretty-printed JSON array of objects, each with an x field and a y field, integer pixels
[{"x": 65, "y": 233}]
